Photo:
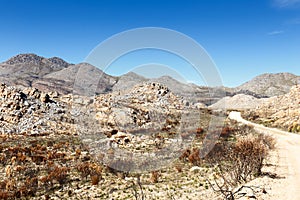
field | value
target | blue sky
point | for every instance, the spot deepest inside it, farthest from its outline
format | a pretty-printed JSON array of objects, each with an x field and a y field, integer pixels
[{"x": 244, "y": 37}]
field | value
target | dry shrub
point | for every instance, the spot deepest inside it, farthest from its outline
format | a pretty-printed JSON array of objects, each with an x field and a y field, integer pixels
[
  {"x": 96, "y": 171},
  {"x": 154, "y": 176},
  {"x": 244, "y": 160},
  {"x": 268, "y": 140},
  {"x": 90, "y": 169},
  {"x": 4, "y": 195},
  {"x": 199, "y": 130},
  {"x": 3, "y": 159},
  {"x": 185, "y": 155},
  {"x": 194, "y": 157},
  {"x": 46, "y": 181},
  {"x": 178, "y": 168},
  {"x": 21, "y": 158},
  {"x": 200, "y": 133},
  {"x": 247, "y": 158},
  {"x": 3, "y": 184},
  {"x": 226, "y": 132},
  {"x": 84, "y": 169},
  {"x": 95, "y": 179},
  {"x": 60, "y": 174},
  {"x": 32, "y": 182}
]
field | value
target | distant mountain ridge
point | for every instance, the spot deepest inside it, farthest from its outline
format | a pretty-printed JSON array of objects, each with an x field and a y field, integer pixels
[
  {"x": 270, "y": 84},
  {"x": 55, "y": 74},
  {"x": 25, "y": 69},
  {"x": 36, "y": 60}
]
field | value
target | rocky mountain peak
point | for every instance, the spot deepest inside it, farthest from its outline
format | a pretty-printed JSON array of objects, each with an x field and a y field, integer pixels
[
  {"x": 33, "y": 59},
  {"x": 58, "y": 62},
  {"x": 25, "y": 58}
]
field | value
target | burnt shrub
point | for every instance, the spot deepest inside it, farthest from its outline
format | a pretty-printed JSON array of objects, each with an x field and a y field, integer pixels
[
  {"x": 242, "y": 160},
  {"x": 154, "y": 176},
  {"x": 60, "y": 174},
  {"x": 247, "y": 156}
]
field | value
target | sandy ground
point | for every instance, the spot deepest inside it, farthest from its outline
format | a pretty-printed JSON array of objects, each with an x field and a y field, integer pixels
[{"x": 284, "y": 162}]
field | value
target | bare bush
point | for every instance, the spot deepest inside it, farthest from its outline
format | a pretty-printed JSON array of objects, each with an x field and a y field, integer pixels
[
  {"x": 268, "y": 140},
  {"x": 84, "y": 169},
  {"x": 194, "y": 157},
  {"x": 154, "y": 176},
  {"x": 95, "y": 179},
  {"x": 90, "y": 169},
  {"x": 60, "y": 174},
  {"x": 244, "y": 161},
  {"x": 248, "y": 156}
]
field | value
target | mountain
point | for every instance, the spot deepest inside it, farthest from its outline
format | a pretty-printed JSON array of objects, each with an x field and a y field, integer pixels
[
  {"x": 25, "y": 69},
  {"x": 55, "y": 74},
  {"x": 128, "y": 80},
  {"x": 270, "y": 84},
  {"x": 77, "y": 78}
]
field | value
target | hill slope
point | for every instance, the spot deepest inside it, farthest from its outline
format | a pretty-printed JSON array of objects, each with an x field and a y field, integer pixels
[
  {"x": 280, "y": 111},
  {"x": 270, "y": 84},
  {"x": 69, "y": 79},
  {"x": 237, "y": 102}
]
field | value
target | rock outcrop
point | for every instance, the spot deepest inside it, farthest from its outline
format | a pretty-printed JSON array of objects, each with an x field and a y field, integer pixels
[
  {"x": 32, "y": 112},
  {"x": 147, "y": 117}
]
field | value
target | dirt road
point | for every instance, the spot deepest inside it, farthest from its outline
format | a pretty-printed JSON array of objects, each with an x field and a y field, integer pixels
[{"x": 288, "y": 163}]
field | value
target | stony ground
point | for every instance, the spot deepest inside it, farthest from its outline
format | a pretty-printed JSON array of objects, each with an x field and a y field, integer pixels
[{"x": 49, "y": 145}]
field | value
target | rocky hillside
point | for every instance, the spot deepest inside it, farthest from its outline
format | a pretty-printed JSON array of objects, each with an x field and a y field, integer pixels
[
  {"x": 29, "y": 111},
  {"x": 191, "y": 92},
  {"x": 281, "y": 111},
  {"x": 237, "y": 102},
  {"x": 270, "y": 84}
]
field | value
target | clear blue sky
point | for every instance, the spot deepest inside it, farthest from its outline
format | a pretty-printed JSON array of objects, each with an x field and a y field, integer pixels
[{"x": 244, "y": 37}]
